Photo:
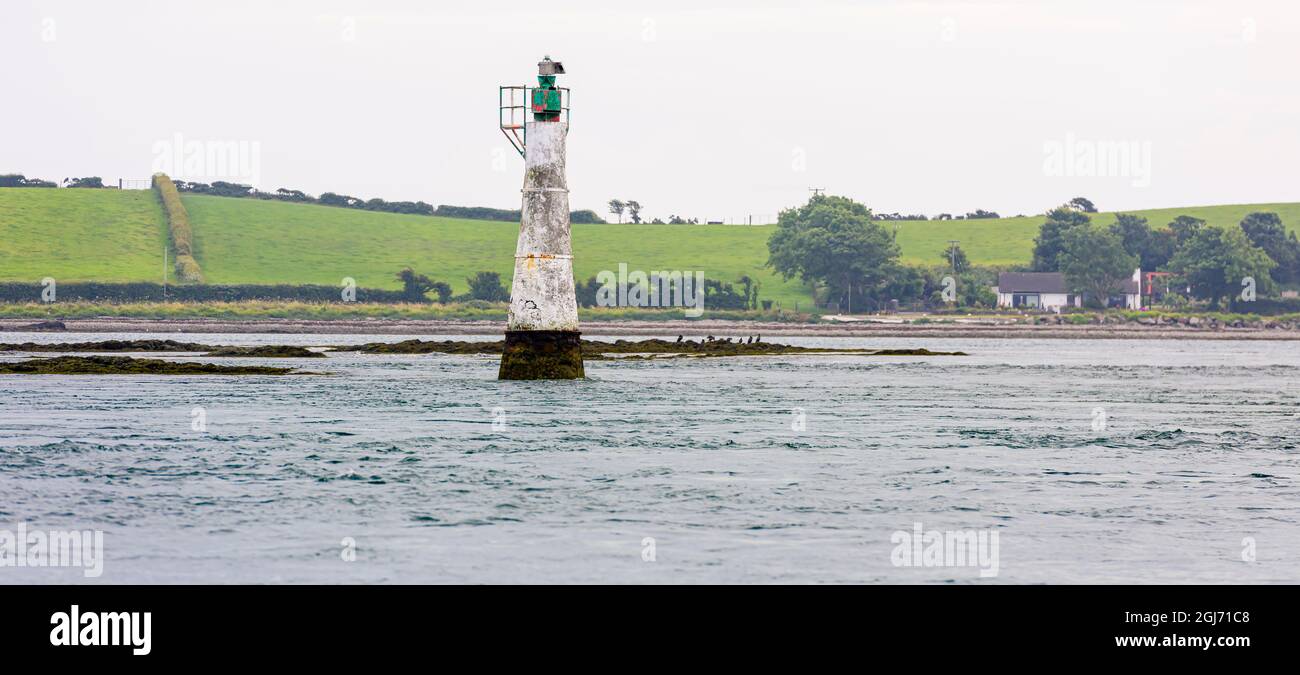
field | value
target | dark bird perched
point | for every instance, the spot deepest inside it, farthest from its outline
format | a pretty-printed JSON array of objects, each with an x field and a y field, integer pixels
[
  {"x": 679, "y": 339},
  {"x": 750, "y": 341},
  {"x": 758, "y": 338},
  {"x": 709, "y": 339}
]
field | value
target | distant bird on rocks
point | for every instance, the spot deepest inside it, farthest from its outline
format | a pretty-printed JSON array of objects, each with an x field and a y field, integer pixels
[
  {"x": 679, "y": 339},
  {"x": 750, "y": 341},
  {"x": 709, "y": 339}
]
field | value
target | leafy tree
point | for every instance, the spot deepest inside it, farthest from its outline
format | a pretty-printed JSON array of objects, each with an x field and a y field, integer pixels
[
  {"x": 955, "y": 258},
  {"x": 487, "y": 286},
  {"x": 1082, "y": 204},
  {"x": 332, "y": 199},
  {"x": 1159, "y": 250},
  {"x": 832, "y": 240},
  {"x": 586, "y": 216},
  {"x": 1153, "y": 248},
  {"x": 585, "y": 293},
  {"x": 1215, "y": 262},
  {"x": 634, "y": 211},
  {"x": 19, "y": 180},
  {"x": 1183, "y": 228},
  {"x": 443, "y": 291},
  {"x": 1266, "y": 231},
  {"x": 976, "y": 288},
  {"x": 1095, "y": 263},
  {"x": 287, "y": 195},
  {"x": 749, "y": 286},
  {"x": 415, "y": 286},
  {"x": 87, "y": 182},
  {"x": 616, "y": 207},
  {"x": 1051, "y": 237},
  {"x": 722, "y": 295},
  {"x": 908, "y": 285}
]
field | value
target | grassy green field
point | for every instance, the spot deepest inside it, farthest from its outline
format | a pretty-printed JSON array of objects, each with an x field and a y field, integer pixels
[
  {"x": 1010, "y": 241},
  {"x": 80, "y": 235},
  {"x": 247, "y": 241},
  {"x": 111, "y": 235}
]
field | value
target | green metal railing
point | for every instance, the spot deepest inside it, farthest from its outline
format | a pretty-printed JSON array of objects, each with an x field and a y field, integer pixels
[{"x": 513, "y": 115}]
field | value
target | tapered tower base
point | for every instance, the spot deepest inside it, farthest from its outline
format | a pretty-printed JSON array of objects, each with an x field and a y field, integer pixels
[{"x": 542, "y": 355}]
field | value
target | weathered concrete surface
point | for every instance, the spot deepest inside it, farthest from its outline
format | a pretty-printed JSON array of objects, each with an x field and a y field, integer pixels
[
  {"x": 542, "y": 340},
  {"x": 542, "y": 295}
]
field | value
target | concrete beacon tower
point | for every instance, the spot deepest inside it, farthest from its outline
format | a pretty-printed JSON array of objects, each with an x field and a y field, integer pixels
[{"x": 542, "y": 338}]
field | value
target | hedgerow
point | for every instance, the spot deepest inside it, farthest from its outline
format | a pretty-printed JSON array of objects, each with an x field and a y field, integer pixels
[{"x": 179, "y": 231}]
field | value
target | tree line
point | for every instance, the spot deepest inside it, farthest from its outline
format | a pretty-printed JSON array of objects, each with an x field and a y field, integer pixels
[
  {"x": 1212, "y": 262},
  {"x": 483, "y": 286},
  {"x": 225, "y": 189},
  {"x": 488, "y": 287},
  {"x": 618, "y": 207},
  {"x": 583, "y": 216},
  {"x": 836, "y": 245},
  {"x": 17, "y": 180}
]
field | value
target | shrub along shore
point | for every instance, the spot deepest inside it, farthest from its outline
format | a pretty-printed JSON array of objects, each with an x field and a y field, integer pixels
[{"x": 474, "y": 310}]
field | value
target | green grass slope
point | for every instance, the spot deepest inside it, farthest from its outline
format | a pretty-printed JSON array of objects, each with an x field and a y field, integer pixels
[
  {"x": 112, "y": 235},
  {"x": 1010, "y": 241},
  {"x": 249, "y": 241},
  {"x": 80, "y": 235}
]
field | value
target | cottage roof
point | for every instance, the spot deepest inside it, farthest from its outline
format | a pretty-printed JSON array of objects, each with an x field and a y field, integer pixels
[{"x": 1045, "y": 282}]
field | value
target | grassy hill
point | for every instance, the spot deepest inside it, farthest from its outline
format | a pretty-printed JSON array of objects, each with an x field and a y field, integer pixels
[
  {"x": 1010, "y": 241},
  {"x": 251, "y": 241},
  {"x": 111, "y": 235},
  {"x": 80, "y": 235}
]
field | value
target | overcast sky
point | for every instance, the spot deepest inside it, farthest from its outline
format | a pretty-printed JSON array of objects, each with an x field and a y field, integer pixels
[{"x": 713, "y": 110}]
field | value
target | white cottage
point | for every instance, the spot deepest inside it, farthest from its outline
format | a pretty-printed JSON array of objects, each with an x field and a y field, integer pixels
[{"x": 1047, "y": 291}]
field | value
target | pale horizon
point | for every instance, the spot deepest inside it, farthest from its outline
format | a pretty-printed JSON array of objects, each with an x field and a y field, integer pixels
[{"x": 716, "y": 113}]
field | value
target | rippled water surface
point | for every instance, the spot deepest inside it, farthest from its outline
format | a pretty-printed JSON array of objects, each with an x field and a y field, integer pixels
[{"x": 1199, "y": 452}]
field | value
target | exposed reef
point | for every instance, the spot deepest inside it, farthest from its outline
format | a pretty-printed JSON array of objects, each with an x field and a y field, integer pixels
[
  {"x": 268, "y": 352},
  {"x": 264, "y": 351},
  {"x": 592, "y": 350},
  {"x": 125, "y": 365},
  {"x": 595, "y": 350},
  {"x": 107, "y": 346}
]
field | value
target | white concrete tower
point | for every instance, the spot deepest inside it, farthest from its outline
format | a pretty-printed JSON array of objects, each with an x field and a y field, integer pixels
[{"x": 542, "y": 338}]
